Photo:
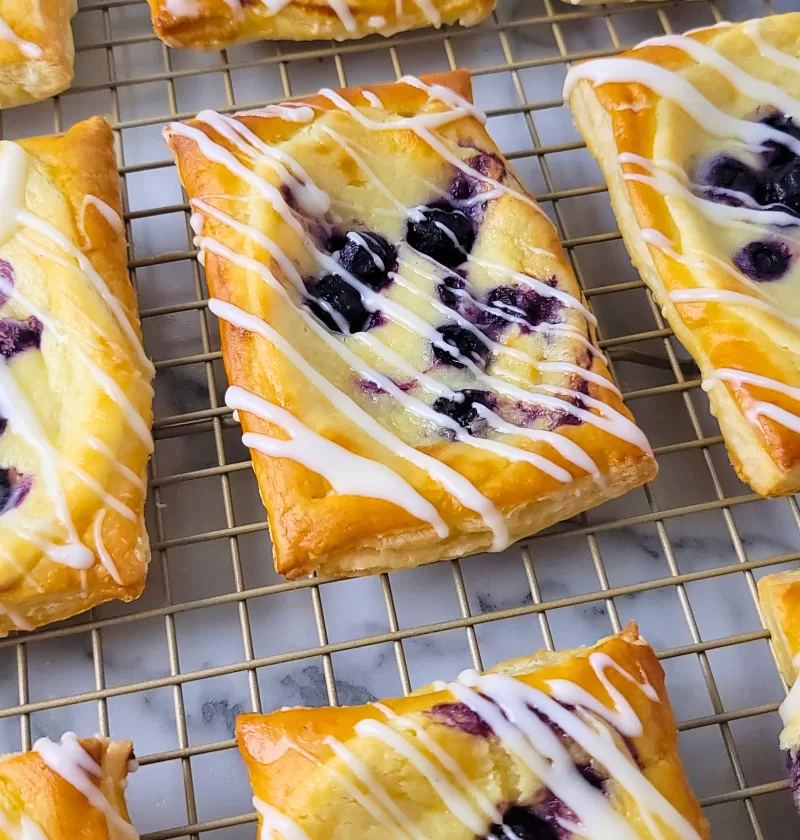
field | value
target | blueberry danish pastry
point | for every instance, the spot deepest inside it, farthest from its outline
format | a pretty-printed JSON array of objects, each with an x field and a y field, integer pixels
[
  {"x": 554, "y": 746},
  {"x": 212, "y": 24},
  {"x": 75, "y": 393},
  {"x": 698, "y": 137},
  {"x": 415, "y": 371},
  {"x": 779, "y": 596},
  {"x": 62, "y": 790}
]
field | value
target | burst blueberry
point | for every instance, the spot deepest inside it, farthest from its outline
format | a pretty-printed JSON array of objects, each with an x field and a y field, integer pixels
[
  {"x": 525, "y": 824},
  {"x": 460, "y": 716},
  {"x": 446, "y": 290},
  {"x": 6, "y": 281},
  {"x": 344, "y": 300},
  {"x": 369, "y": 257},
  {"x": 14, "y": 488},
  {"x": 445, "y": 235},
  {"x": 18, "y": 336},
  {"x": 778, "y": 154},
  {"x": 725, "y": 172},
  {"x": 517, "y": 302},
  {"x": 785, "y": 188},
  {"x": 465, "y": 341},
  {"x": 463, "y": 411},
  {"x": 764, "y": 261}
]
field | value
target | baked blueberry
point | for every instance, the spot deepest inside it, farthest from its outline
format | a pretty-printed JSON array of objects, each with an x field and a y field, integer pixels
[
  {"x": 17, "y": 336},
  {"x": 725, "y": 172},
  {"x": 778, "y": 155},
  {"x": 525, "y": 824},
  {"x": 764, "y": 261},
  {"x": 14, "y": 487},
  {"x": 445, "y": 290},
  {"x": 369, "y": 257},
  {"x": 344, "y": 300},
  {"x": 445, "y": 235},
  {"x": 785, "y": 188},
  {"x": 466, "y": 342},
  {"x": 7, "y": 276},
  {"x": 463, "y": 411},
  {"x": 522, "y": 303},
  {"x": 460, "y": 716}
]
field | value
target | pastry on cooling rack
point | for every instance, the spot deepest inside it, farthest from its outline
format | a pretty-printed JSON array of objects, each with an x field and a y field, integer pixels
[
  {"x": 212, "y": 24},
  {"x": 36, "y": 50},
  {"x": 779, "y": 595},
  {"x": 580, "y": 743},
  {"x": 75, "y": 393},
  {"x": 61, "y": 790},
  {"x": 698, "y": 137},
  {"x": 416, "y": 373}
]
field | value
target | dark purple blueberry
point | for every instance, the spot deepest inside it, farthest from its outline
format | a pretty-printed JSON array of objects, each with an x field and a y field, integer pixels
[
  {"x": 371, "y": 388},
  {"x": 445, "y": 290},
  {"x": 596, "y": 779},
  {"x": 334, "y": 293},
  {"x": 522, "y": 303},
  {"x": 463, "y": 411},
  {"x": 14, "y": 487},
  {"x": 445, "y": 235},
  {"x": 779, "y": 155},
  {"x": 729, "y": 173},
  {"x": 466, "y": 186},
  {"x": 785, "y": 188},
  {"x": 7, "y": 279},
  {"x": 525, "y": 824},
  {"x": 371, "y": 264},
  {"x": 460, "y": 716},
  {"x": 3, "y": 424},
  {"x": 466, "y": 342},
  {"x": 567, "y": 418},
  {"x": 793, "y": 765},
  {"x": 17, "y": 336},
  {"x": 764, "y": 261}
]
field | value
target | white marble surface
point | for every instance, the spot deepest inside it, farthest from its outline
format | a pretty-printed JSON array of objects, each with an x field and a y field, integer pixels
[{"x": 283, "y": 623}]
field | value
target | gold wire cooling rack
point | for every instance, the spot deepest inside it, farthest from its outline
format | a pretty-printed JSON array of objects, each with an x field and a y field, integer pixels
[{"x": 217, "y": 632}]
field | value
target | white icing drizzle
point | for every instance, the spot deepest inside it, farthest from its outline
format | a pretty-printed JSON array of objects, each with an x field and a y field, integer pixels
[
  {"x": 725, "y": 296},
  {"x": 347, "y": 473},
  {"x": 752, "y": 28},
  {"x": 129, "y": 474},
  {"x": 741, "y": 80},
  {"x": 446, "y": 95},
  {"x": 27, "y": 48},
  {"x": 273, "y": 820},
  {"x": 453, "y": 799},
  {"x": 111, "y": 216},
  {"x": 15, "y": 406},
  {"x": 24, "y": 828},
  {"x": 509, "y": 706},
  {"x": 70, "y": 760},
  {"x": 288, "y": 111},
  {"x": 672, "y": 86},
  {"x": 182, "y": 8},
  {"x": 19, "y": 622},
  {"x": 342, "y": 10},
  {"x": 762, "y": 408},
  {"x": 455, "y": 483},
  {"x": 372, "y": 98},
  {"x": 100, "y": 547}
]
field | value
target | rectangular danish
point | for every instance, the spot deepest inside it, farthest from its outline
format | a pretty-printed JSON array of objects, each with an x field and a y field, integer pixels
[
  {"x": 779, "y": 596},
  {"x": 75, "y": 392},
  {"x": 416, "y": 374},
  {"x": 213, "y": 24},
  {"x": 36, "y": 50},
  {"x": 698, "y": 137},
  {"x": 580, "y": 743},
  {"x": 62, "y": 790}
]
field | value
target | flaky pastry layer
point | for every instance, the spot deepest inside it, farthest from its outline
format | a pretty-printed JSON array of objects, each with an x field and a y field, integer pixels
[
  {"x": 36, "y": 55},
  {"x": 448, "y": 762},
  {"x": 338, "y": 533},
  {"x": 75, "y": 384},
  {"x": 653, "y": 153},
  {"x": 212, "y": 24}
]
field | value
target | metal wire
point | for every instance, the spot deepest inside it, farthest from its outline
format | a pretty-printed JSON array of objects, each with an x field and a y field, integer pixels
[{"x": 663, "y": 372}]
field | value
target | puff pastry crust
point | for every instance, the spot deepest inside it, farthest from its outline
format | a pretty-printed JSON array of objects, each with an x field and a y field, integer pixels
[
  {"x": 432, "y": 411},
  {"x": 65, "y": 789},
  {"x": 697, "y": 138},
  {"x": 212, "y": 24},
  {"x": 583, "y": 737},
  {"x": 75, "y": 393},
  {"x": 36, "y": 50}
]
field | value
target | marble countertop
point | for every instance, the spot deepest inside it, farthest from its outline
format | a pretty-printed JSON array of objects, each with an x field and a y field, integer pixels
[{"x": 283, "y": 625}]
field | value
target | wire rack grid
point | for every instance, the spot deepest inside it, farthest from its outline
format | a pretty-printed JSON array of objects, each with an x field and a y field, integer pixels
[{"x": 217, "y": 632}]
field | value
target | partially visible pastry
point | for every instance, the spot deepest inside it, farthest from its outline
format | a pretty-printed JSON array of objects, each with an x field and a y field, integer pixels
[
  {"x": 417, "y": 375},
  {"x": 698, "y": 137},
  {"x": 36, "y": 49},
  {"x": 779, "y": 595},
  {"x": 67, "y": 789},
  {"x": 213, "y": 24},
  {"x": 580, "y": 743},
  {"x": 75, "y": 392}
]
